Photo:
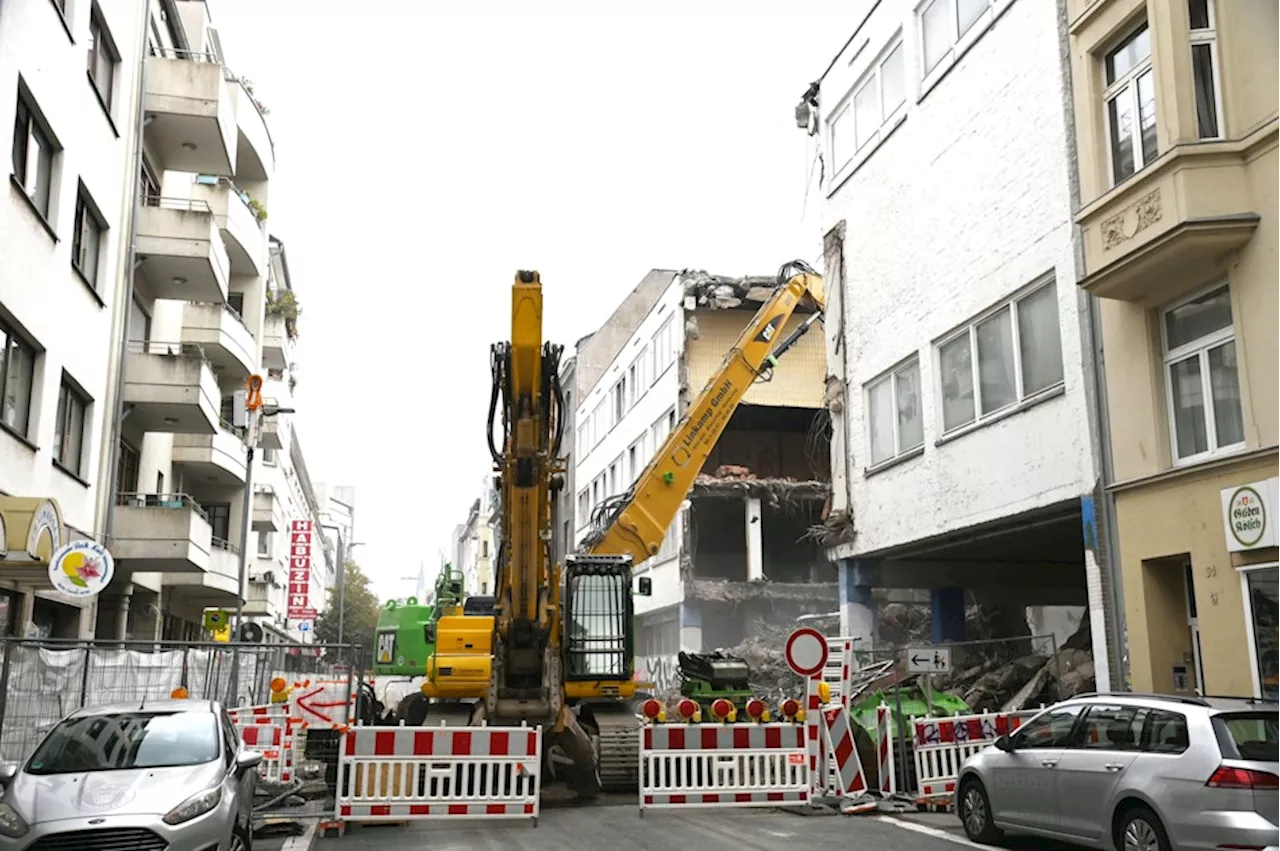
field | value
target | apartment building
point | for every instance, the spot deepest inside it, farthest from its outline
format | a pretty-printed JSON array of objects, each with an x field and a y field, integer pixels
[
  {"x": 738, "y": 559},
  {"x": 64, "y": 236},
  {"x": 961, "y": 377},
  {"x": 474, "y": 540},
  {"x": 562, "y": 539},
  {"x": 1176, "y": 130}
]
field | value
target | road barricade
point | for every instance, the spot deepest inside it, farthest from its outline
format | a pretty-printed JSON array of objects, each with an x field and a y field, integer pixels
[
  {"x": 268, "y": 729},
  {"x": 327, "y": 704},
  {"x": 943, "y": 744},
  {"x": 401, "y": 774},
  {"x": 733, "y": 765}
]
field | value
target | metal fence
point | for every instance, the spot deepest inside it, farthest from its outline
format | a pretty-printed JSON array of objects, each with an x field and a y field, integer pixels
[{"x": 44, "y": 680}]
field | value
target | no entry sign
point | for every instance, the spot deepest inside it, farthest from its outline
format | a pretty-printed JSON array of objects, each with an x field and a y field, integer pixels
[{"x": 807, "y": 651}]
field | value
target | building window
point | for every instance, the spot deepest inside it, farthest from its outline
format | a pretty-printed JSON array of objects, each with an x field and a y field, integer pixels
[
  {"x": 620, "y": 400},
  {"x": 103, "y": 59},
  {"x": 219, "y": 517},
  {"x": 599, "y": 424},
  {"x": 86, "y": 243},
  {"x": 17, "y": 366},
  {"x": 876, "y": 99},
  {"x": 1205, "y": 413},
  {"x": 584, "y": 435},
  {"x": 128, "y": 470},
  {"x": 1204, "y": 67},
  {"x": 33, "y": 154},
  {"x": 265, "y": 540},
  {"x": 1018, "y": 352},
  {"x": 1131, "y": 105},
  {"x": 943, "y": 23},
  {"x": 268, "y": 456},
  {"x": 633, "y": 463},
  {"x": 139, "y": 327},
  {"x": 663, "y": 349},
  {"x": 69, "y": 428},
  {"x": 893, "y": 413},
  {"x": 1261, "y": 587}
]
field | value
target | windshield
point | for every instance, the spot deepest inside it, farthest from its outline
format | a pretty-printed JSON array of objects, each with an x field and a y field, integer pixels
[
  {"x": 127, "y": 740},
  {"x": 1251, "y": 734}
]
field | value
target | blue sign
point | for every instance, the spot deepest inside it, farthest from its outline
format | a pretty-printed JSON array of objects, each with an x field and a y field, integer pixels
[{"x": 305, "y": 626}]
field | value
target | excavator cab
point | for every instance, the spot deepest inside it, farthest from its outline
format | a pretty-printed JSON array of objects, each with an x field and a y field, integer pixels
[{"x": 599, "y": 612}]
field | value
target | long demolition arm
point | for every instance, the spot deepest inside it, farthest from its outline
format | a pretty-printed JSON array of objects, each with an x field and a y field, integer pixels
[{"x": 635, "y": 522}]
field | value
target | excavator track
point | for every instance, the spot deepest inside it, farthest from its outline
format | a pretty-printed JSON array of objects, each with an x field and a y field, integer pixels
[{"x": 618, "y": 746}]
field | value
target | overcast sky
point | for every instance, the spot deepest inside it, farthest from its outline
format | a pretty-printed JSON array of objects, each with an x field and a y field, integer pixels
[{"x": 423, "y": 157}]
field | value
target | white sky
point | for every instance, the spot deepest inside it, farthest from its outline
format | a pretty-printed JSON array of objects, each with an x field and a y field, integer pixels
[{"x": 422, "y": 158}]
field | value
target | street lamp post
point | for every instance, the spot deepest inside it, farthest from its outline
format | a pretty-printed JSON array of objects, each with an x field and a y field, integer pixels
[{"x": 340, "y": 578}]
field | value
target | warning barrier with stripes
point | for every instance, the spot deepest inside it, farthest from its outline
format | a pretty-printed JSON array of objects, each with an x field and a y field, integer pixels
[
  {"x": 732, "y": 765},
  {"x": 419, "y": 773},
  {"x": 943, "y": 744},
  {"x": 267, "y": 728},
  {"x": 850, "y": 779},
  {"x": 886, "y": 770}
]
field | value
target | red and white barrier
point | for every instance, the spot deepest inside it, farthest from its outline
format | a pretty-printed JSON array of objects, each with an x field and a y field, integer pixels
[
  {"x": 328, "y": 704},
  {"x": 277, "y": 760},
  {"x": 850, "y": 779},
  {"x": 730, "y": 765},
  {"x": 943, "y": 744},
  {"x": 420, "y": 773},
  {"x": 887, "y": 771}
]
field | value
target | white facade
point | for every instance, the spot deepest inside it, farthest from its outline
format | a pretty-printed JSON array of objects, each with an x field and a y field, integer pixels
[
  {"x": 475, "y": 540},
  {"x": 63, "y": 237},
  {"x": 618, "y": 431}
]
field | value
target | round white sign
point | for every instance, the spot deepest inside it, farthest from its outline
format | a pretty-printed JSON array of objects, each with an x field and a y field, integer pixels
[
  {"x": 81, "y": 568},
  {"x": 806, "y": 651}
]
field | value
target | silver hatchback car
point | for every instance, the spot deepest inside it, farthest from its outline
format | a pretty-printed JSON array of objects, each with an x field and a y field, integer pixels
[
  {"x": 170, "y": 775},
  {"x": 1132, "y": 772}
]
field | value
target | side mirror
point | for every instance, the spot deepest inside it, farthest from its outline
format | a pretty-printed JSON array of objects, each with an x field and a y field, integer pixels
[
  {"x": 644, "y": 586},
  {"x": 1005, "y": 744},
  {"x": 8, "y": 771},
  {"x": 247, "y": 760}
]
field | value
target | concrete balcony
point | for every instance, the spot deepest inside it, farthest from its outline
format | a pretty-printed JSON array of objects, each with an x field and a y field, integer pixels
[
  {"x": 1167, "y": 230},
  {"x": 222, "y": 334},
  {"x": 269, "y": 431},
  {"x": 192, "y": 118},
  {"x": 217, "y": 458},
  {"x": 266, "y": 512},
  {"x": 181, "y": 250},
  {"x": 263, "y": 599},
  {"x": 277, "y": 345},
  {"x": 255, "y": 151},
  {"x": 161, "y": 533},
  {"x": 218, "y": 587},
  {"x": 243, "y": 235},
  {"x": 170, "y": 387}
]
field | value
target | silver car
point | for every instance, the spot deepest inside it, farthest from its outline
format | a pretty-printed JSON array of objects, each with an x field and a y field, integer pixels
[
  {"x": 1132, "y": 772},
  {"x": 169, "y": 775}
]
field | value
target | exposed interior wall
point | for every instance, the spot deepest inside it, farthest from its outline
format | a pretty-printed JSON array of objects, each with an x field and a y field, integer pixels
[
  {"x": 776, "y": 443},
  {"x": 719, "y": 546},
  {"x": 799, "y": 379}
]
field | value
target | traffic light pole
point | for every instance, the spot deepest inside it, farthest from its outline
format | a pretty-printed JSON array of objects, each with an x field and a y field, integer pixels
[{"x": 246, "y": 519}]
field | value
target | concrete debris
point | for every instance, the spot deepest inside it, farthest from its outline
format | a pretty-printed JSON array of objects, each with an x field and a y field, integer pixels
[
  {"x": 725, "y": 590},
  {"x": 733, "y": 471},
  {"x": 744, "y": 484},
  {"x": 720, "y": 292}
]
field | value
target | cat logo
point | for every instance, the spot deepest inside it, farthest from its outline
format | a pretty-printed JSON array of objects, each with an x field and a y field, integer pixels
[{"x": 386, "y": 647}]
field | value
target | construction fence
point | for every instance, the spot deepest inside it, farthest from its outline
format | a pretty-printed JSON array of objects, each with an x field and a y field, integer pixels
[{"x": 44, "y": 680}]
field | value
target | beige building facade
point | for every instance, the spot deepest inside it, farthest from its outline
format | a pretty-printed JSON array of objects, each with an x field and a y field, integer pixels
[{"x": 1175, "y": 105}]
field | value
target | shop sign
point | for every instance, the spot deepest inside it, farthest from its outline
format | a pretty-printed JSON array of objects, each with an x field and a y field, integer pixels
[
  {"x": 81, "y": 569},
  {"x": 1248, "y": 515}
]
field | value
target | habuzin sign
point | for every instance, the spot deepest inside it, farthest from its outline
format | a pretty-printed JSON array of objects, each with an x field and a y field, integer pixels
[{"x": 1248, "y": 515}]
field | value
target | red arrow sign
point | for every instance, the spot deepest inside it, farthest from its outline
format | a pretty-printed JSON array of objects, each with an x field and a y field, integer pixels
[{"x": 315, "y": 702}]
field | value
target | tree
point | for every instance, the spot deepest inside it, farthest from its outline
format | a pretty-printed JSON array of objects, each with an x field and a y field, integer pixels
[{"x": 362, "y": 610}]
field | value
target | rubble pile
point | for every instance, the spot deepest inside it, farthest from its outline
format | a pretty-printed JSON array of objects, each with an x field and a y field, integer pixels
[{"x": 720, "y": 292}]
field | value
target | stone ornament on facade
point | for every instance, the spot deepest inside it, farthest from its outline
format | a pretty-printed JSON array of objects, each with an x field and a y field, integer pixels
[{"x": 1146, "y": 211}]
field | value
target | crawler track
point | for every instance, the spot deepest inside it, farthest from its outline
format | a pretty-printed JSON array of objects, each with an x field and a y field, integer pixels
[{"x": 618, "y": 743}]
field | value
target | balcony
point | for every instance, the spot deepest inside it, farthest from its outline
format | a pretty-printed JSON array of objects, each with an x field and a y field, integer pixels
[
  {"x": 192, "y": 118},
  {"x": 181, "y": 250},
  {"x": 269, "y": 431},
  {"x": 266, "y": 512},
  {"x": 170, "y": 387},
  {"x": 215, "y": 588},
  {"x": 277, "y": 345},
  {"x": 220, "y": 332},
  {"x": 243, "y": 234},
  {"x": 255, "y": 151},
  {"x": 161, "y": 533},
  {"x": 217, "y": 458}
]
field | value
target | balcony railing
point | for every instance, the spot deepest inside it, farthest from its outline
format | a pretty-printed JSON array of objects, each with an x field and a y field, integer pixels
[
  {"x": 181, "y": 53},
  {"x": 168, "y": 349},
  {"x": 172, "y": 501},
  {"x": 188, "y": 205},
  {"x": 225, "y": 545}
]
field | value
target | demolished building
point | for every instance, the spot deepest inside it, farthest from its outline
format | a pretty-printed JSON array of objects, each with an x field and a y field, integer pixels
[{"x": 742, "y": 558}]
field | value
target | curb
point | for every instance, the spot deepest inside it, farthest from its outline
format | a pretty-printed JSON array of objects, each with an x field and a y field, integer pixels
[{"x": 306, "y": 840}]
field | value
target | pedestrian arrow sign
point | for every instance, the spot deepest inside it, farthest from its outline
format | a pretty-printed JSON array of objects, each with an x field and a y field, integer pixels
[{"x": 929, "y": 660}]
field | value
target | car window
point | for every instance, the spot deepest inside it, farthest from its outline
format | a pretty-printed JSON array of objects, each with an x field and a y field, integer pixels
[
  {"x": 1165, "y": 732},
  {"x": 1247, "y": 735},
  {"x": 230, "y": 737},
  {"x": 127, "y": 740},
  {"x": 1049, "y": 730},
  {"x": 1110, "y": 727}
]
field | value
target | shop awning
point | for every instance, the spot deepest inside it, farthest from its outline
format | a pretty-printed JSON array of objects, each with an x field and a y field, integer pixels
[{"x": 31, "y": 531}]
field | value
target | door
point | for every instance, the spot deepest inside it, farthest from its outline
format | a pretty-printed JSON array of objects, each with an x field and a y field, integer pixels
[
  {"x": 1101, "y": 750},
  {"x": 1193, "y": 625},
  {"x": 1024, "y": 789}
]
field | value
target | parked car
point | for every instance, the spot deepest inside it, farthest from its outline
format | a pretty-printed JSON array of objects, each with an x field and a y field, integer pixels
[
  {"x": 1133, "y": 772},
  {"x": 168, "y": 775}
]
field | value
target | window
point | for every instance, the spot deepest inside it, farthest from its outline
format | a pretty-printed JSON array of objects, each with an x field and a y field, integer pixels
[
  {"x": 584, "y": 435},
  {"x": 893, "y": 413},
  {"x": 620, "y": 405},
  {"x": 33, "y": 153},
  {"x": 1165, "y": 732},
  {"x": 1205, "y": 414},
  {"x": 1049, "y": 730},
  {"x": 235, "y": 301},
  {"x": 599, "y": 424},
  {"x": 86, "y": 243},
  {"x": 17, "y": 364},
  {"x": 1018, "y": 352},
  {"x": 219, "y": 514},
  {"x": 1261, "y": 586},
  {"x": 662, "y": 428},
  {"x": 68, "y": 429},
  {"x": 150, "y": 185},
  {"x": 1204, "y": 64},
  {"x": 268, "y": 456},
  {"x": 875, "y": 101},
  {"x": 103, "y": 59},
  {"x": 613, "y": 476},
  {"x": 1131, "y": 105},
  {"x": 1112, "y": 728},
  {"x": 129, "y": 469},
  {"x": 139, "y": 327},
  {"x": 943, "y": 23},
  {"x": 637, "y": 382},
  {"x": 264, "y": 543},
  {"x": 633, "y": 463},
  {"x": 663, "y": 348}
]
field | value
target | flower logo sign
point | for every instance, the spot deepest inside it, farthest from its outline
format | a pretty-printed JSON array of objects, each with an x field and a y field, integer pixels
[{"x": 81, "y": 568}]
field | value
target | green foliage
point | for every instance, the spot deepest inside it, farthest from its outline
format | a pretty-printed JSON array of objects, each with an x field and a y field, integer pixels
[
  {"x": 362, "y": 606},
  {"x": 259, "y": 211},
  {"x": 285, "y": 303}
]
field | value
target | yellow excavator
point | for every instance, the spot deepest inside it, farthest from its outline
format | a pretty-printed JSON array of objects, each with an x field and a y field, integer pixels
[{"x": 559, "y": 647}]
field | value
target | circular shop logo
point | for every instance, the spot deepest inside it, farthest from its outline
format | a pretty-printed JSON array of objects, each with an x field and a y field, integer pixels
[
  {"x": 81, "y": 568},
  {"x": 1247, "y": 516}
]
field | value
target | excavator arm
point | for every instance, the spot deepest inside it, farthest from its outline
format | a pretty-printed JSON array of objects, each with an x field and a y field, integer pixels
[{"x": 634, "y": 523}]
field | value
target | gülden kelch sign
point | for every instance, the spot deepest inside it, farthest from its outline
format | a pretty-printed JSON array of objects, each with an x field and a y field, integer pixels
[{"x": 1249, "y": 515}]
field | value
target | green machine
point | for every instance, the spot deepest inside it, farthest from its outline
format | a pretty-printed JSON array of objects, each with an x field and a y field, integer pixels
[
  {"x": 707, "y": 677},
  {"x": 406, "y": 635}
]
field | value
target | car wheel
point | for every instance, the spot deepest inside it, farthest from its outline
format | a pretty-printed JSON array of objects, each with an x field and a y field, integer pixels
[
  {"x": 241, "y": 840},
  {"x": 1140, "y": 830},
  {"x": 975, "y": 814}
]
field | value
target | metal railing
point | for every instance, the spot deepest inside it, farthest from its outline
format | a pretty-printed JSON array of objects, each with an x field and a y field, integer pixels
[
  {"x": 225, "y": 545},
  {"x": 186, "y": 55},
  {"x": 163, "y": 348},
  {"x": 188, "y": 205},
  {"x": 167, "y": 501}
]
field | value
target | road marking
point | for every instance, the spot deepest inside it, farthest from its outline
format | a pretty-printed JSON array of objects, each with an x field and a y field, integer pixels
[
  {"x": 303, "y": 842},
  {"x": 935, "y": 832}
]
